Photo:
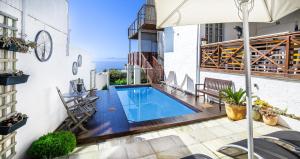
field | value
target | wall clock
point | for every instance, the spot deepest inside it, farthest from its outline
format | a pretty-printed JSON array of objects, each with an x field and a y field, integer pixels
[
  {"x": 43, "y": 51},
  {"x": 75, "y": 68},
  {"x": 79, "y": 61}
]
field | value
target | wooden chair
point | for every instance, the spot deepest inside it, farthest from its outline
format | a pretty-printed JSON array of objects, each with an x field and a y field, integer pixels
[
  {"x": 78, "y": 112},
  {"x": 92, "y": 95},
  {"x": 212, "y": 87}
]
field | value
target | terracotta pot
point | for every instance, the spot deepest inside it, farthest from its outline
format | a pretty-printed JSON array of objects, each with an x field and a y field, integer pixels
[
  {"x": 270, "y": 120},
  {"x": 235, "y": 112},
  {"x": 256, "y": 115}
]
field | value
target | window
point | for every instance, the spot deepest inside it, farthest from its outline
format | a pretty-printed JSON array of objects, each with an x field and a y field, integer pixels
[
  {"x": 169, "y": 40},
  {"x": 214, "y": 32}
]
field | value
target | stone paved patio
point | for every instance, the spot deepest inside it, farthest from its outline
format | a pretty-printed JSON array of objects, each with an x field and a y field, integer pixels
[{"x": 204, "y": 137}]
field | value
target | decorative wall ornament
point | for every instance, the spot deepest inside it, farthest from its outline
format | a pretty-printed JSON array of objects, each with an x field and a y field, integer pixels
[
  {"x": 75, "y": 68},
  {"x": 44, "y": 46},
  {"x": 79, "y": 60}
]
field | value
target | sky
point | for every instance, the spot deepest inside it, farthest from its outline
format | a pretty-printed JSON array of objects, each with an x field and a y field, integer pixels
[{"x": 100, "y": 26}]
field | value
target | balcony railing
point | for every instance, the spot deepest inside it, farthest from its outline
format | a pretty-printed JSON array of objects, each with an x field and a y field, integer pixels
[
  {"x": 147, "y": 15},
  {"x": 133, "y": 29},
  {"x": 146, "y": 19},
  {"x": 149, "y": 64},
  {"x": 276, "y": 55}
]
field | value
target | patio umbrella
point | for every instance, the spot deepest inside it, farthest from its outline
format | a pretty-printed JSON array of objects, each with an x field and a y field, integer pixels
[{"x": 190, "y": 12}]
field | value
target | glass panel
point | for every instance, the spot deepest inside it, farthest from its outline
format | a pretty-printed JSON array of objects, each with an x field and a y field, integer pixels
[
  {"x": 144, "y": 76},
  {"x": 9, "y": 22},
  {"x": 1, "y": 31},
  {"x": 10, "y": 33},
  {"x": 1, "y": 19}
]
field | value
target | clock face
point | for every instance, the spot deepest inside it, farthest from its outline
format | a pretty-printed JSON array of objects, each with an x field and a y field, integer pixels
[
  {"x": 43, "y": 51},
  {"x": 75, "y": 68}
]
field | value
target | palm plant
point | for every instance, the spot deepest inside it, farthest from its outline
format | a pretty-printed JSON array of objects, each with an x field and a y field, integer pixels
[{"x": 234, "y": 97}]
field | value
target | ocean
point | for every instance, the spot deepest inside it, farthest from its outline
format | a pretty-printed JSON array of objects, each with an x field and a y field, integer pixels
[{"x": 110, "y": 64}]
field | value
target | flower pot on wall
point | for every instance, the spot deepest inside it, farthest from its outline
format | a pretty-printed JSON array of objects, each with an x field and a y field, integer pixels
[
  {"x": 235, "y": 112},
  {"x": 270, "y": 119},
  {"x": 10, "y": 79},
  {"x": 10, "y": 47},
  {"x": 5, "y": 129}
]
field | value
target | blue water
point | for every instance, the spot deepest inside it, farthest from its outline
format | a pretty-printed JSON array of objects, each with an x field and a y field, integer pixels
[
  {"x": 110, "y": 64},
  {"x": 147, "y": 103}
]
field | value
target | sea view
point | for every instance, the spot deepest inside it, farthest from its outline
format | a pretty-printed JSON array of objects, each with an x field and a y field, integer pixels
[{"x": 118, "y": 63}]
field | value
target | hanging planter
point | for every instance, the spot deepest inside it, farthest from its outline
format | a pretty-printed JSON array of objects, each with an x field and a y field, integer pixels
[
  {"x": 13, "y": 123},
  {"x": 13, "y": 78},
  {"x": 16, "y": 44}
]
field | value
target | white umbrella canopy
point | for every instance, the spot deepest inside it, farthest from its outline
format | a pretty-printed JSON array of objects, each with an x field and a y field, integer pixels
[{"x": 190, "y": 12}]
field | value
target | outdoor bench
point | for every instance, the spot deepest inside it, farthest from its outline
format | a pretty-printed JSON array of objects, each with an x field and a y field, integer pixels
[{"x": 212, "y": 87}]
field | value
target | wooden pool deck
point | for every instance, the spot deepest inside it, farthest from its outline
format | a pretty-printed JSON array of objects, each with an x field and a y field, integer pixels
[{"x": 110, "y": 120}]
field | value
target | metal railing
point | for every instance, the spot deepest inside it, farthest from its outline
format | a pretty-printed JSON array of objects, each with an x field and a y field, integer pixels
[{"x": 146, "y": 15}]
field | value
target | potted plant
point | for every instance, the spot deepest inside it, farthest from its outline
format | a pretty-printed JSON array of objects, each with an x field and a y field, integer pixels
[
  {"x": 13, "y": 123},
  {"x": 235, "y": 106},
  {"x": 257, "y": 105},
  {"x": 256, "y": 114},
  {"x": 270, "y": 117},
  {"x": 53, "y": 145},
  {"x": 16, "y": 77},
  {"x": 16, "y": 44}
]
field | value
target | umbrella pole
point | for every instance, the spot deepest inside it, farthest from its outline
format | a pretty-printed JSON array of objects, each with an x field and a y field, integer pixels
[{"x": 247, "y": 58}]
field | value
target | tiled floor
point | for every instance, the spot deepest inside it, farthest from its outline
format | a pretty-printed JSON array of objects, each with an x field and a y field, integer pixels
[{"x": 203, "y": 137}]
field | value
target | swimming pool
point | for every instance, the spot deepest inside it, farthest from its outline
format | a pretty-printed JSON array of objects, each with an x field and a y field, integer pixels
[{"x": 147, "y": 103}]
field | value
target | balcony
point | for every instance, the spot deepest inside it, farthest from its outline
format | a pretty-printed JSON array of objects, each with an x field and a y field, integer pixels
[
  {"x": 275, "y": 56},
  {"x": 148, "y": 57},
  {"x": 146, "y": 20},
  {"x": 149, "y": 64}
]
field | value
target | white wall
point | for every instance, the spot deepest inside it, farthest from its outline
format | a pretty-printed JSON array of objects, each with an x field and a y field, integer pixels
[
  {"x": 280, "y": 93},
  {"x": 101, "y": 80},
  {"x": 38, "y": 97},
  {"x": 183, "y": 58}
]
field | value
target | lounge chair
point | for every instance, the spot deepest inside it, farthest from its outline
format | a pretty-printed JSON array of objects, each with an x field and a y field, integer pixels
[
  {"x": 78, "y": 112},
  {"x": 263, "y": 149},
  {"x": 288, "y": 139},
  {"x": 171, "y": 81},
  {"x": 189, "y": 83},
  {"x": 197, "y": 156}
]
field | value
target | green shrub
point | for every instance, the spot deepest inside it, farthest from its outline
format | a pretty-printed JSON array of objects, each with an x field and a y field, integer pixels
[
  {"x": 117, "y": 75},
  {"x": 120, "y": 82},
  {"x": 53, "y": 145}
]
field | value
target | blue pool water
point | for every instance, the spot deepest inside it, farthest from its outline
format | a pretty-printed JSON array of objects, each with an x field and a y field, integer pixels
[{"x": 147, "y": 103}]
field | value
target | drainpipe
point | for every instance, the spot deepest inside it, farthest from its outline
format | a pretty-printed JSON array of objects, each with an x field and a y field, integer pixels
[
  {"x": 198, "y": 55},
  {"x": 23, "y": 22},
  {"x": 69, "y": 30}
]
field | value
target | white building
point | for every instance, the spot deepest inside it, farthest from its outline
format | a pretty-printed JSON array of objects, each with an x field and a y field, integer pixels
[
  {"x": 38, "y": 97},
  {"x": 181, "y": 51}
]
